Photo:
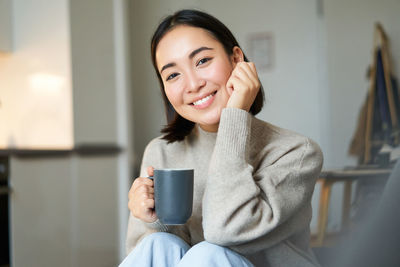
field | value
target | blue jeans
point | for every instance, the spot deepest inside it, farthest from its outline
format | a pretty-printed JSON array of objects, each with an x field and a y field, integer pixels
[{"x": 168, "y": 250}]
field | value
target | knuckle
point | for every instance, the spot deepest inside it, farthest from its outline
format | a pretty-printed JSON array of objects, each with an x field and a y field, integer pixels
[
  {"x": 142, "y": 188},
  {"x": 137, "y": 181}
]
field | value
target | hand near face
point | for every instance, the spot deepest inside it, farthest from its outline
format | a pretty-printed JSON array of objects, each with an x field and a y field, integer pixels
[
  {"x": 243, "y": 86},
  {"x": 141, "y": 198}
]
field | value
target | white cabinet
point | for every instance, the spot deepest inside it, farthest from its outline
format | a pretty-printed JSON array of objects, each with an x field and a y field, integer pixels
[
  {"x": 64, "y": 211},
  {"x": 6, "y": 36},
  {"x": 70, "y": 210}
]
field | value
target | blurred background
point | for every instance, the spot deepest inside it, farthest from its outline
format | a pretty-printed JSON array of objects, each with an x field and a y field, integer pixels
[{"x": 79, "y": 101}]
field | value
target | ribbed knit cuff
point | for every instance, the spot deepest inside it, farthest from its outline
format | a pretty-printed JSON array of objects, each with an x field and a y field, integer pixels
[
  {"x": 234, "y": 131},
  {"x": 157, "y": 225}
]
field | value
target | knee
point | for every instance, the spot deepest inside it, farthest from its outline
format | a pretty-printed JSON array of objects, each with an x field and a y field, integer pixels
[
  {"x": 157, "y": 249},
  {"x": 157, "y": 237},
  {"x": 207, "y": 249},
  {"x": 161, "y": 240},
  {"x": 213, "y": 255}
]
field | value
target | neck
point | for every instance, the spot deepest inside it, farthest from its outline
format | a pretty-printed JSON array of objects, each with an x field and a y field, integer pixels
[{"x": 210, "y": 128}]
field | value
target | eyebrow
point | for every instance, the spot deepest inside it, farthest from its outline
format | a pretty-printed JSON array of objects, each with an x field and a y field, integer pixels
[
  {"x": 191, "y": 55},
  {"x": 198, "y": 50},
  {"x": 167, "y": 66}
]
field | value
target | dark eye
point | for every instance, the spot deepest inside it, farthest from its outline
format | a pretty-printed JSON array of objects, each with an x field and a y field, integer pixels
[
  {"x": 173, "y": 75},
  {"x": 203, "y": 60}
]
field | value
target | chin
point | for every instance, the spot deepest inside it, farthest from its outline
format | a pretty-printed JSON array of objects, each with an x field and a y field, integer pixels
[{"x": 211, "y": 119}]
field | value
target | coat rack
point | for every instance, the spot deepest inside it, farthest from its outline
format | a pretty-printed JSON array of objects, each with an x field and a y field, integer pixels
[{"x": 378, "y": 123}]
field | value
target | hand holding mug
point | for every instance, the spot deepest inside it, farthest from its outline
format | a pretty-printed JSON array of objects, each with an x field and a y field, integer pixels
[
  {"x": 141, "y": 198},
  {"x": 243, "y": 85}
]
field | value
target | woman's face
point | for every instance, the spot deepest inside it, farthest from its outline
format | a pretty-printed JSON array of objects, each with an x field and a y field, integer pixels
[{"x": 194, "y": 68}]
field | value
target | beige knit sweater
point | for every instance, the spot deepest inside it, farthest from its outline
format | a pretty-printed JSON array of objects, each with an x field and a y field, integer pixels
[{"x": 253, "y": 184}]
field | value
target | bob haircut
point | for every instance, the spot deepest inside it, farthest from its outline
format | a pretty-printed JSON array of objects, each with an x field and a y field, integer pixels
[{"x": 178, "y": 127}]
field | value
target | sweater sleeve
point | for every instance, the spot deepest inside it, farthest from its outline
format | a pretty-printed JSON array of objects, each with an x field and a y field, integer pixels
[
  {"x": 251, "y": 209},
  {"x": 138, "y": 229}
]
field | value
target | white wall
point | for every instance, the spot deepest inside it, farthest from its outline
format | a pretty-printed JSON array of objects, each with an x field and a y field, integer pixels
[
  {"x": 92, "y": 44},
  {"x": 35, "y": 79}
]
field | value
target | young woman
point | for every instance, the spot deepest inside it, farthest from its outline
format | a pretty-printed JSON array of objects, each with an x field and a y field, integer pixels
[{"x": 253, "y": 180}]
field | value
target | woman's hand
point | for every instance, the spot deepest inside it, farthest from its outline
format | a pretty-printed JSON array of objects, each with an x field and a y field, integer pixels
[
  {"x": 141, "y": 198},
  {"x": 243, "y": 86}
]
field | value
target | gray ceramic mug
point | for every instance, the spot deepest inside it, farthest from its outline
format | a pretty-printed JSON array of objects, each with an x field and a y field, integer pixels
[{"x": 173, "y": 195}]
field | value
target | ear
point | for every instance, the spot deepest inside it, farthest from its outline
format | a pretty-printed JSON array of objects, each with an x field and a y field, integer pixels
[{"x": 237, "y": 55}]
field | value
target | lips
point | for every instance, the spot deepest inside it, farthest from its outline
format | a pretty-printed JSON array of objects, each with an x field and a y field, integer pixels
[{"x": 203, "y": 99}]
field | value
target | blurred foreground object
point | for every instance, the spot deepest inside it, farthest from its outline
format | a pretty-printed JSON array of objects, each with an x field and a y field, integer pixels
[{"x": 377, "y": 241}]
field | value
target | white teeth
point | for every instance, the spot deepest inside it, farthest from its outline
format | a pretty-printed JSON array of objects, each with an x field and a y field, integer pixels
[{"x": 201, "y": 101}]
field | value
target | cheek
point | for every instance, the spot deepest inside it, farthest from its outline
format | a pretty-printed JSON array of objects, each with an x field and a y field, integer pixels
[
  {"x": 173, "y": 96},
  {"x": 220, "y": 73}
]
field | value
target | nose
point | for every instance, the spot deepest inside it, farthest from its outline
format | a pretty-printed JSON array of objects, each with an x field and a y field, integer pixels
[{"x": 194, "y": 82}]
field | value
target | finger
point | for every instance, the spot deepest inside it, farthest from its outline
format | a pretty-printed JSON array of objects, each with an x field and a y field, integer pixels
[
  {"x": 149, "y": 203},
  {"x": 141, "y": 181},
  {"x": 229, "y": 85},
  {"x": 145, "y": 181},
  {"x": 253, "y": 67},
  {"x": 150, "y": 190},
  {"x": 145, "y": 196},
  {"x": 254, "y": 75},
  {"x": 133, "y": 187},
  {"x": 249, "y": 69},
  {"x": 143, "y": 189},
  {"x": 150, "y": 171},
  {"x": 237, "y": 84},
  {"x": 253, "y": 82},
  {"x": 243, "y": 74},
  {"x": 145, "y": 212},
  {"x": 151, "y": 215}
]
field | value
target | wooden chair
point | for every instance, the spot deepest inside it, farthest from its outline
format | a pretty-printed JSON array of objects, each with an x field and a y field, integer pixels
[{"x": 327, "y": 179}]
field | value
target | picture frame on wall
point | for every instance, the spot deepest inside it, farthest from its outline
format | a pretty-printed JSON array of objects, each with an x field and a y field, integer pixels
[{"x": 261, "y": 50}]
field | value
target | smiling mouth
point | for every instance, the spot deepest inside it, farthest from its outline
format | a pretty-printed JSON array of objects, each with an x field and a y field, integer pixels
[{"x": 203, "y": 100}]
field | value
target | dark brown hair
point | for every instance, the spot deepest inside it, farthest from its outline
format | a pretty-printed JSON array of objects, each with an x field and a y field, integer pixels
[{"x": 178, "y": 127}]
